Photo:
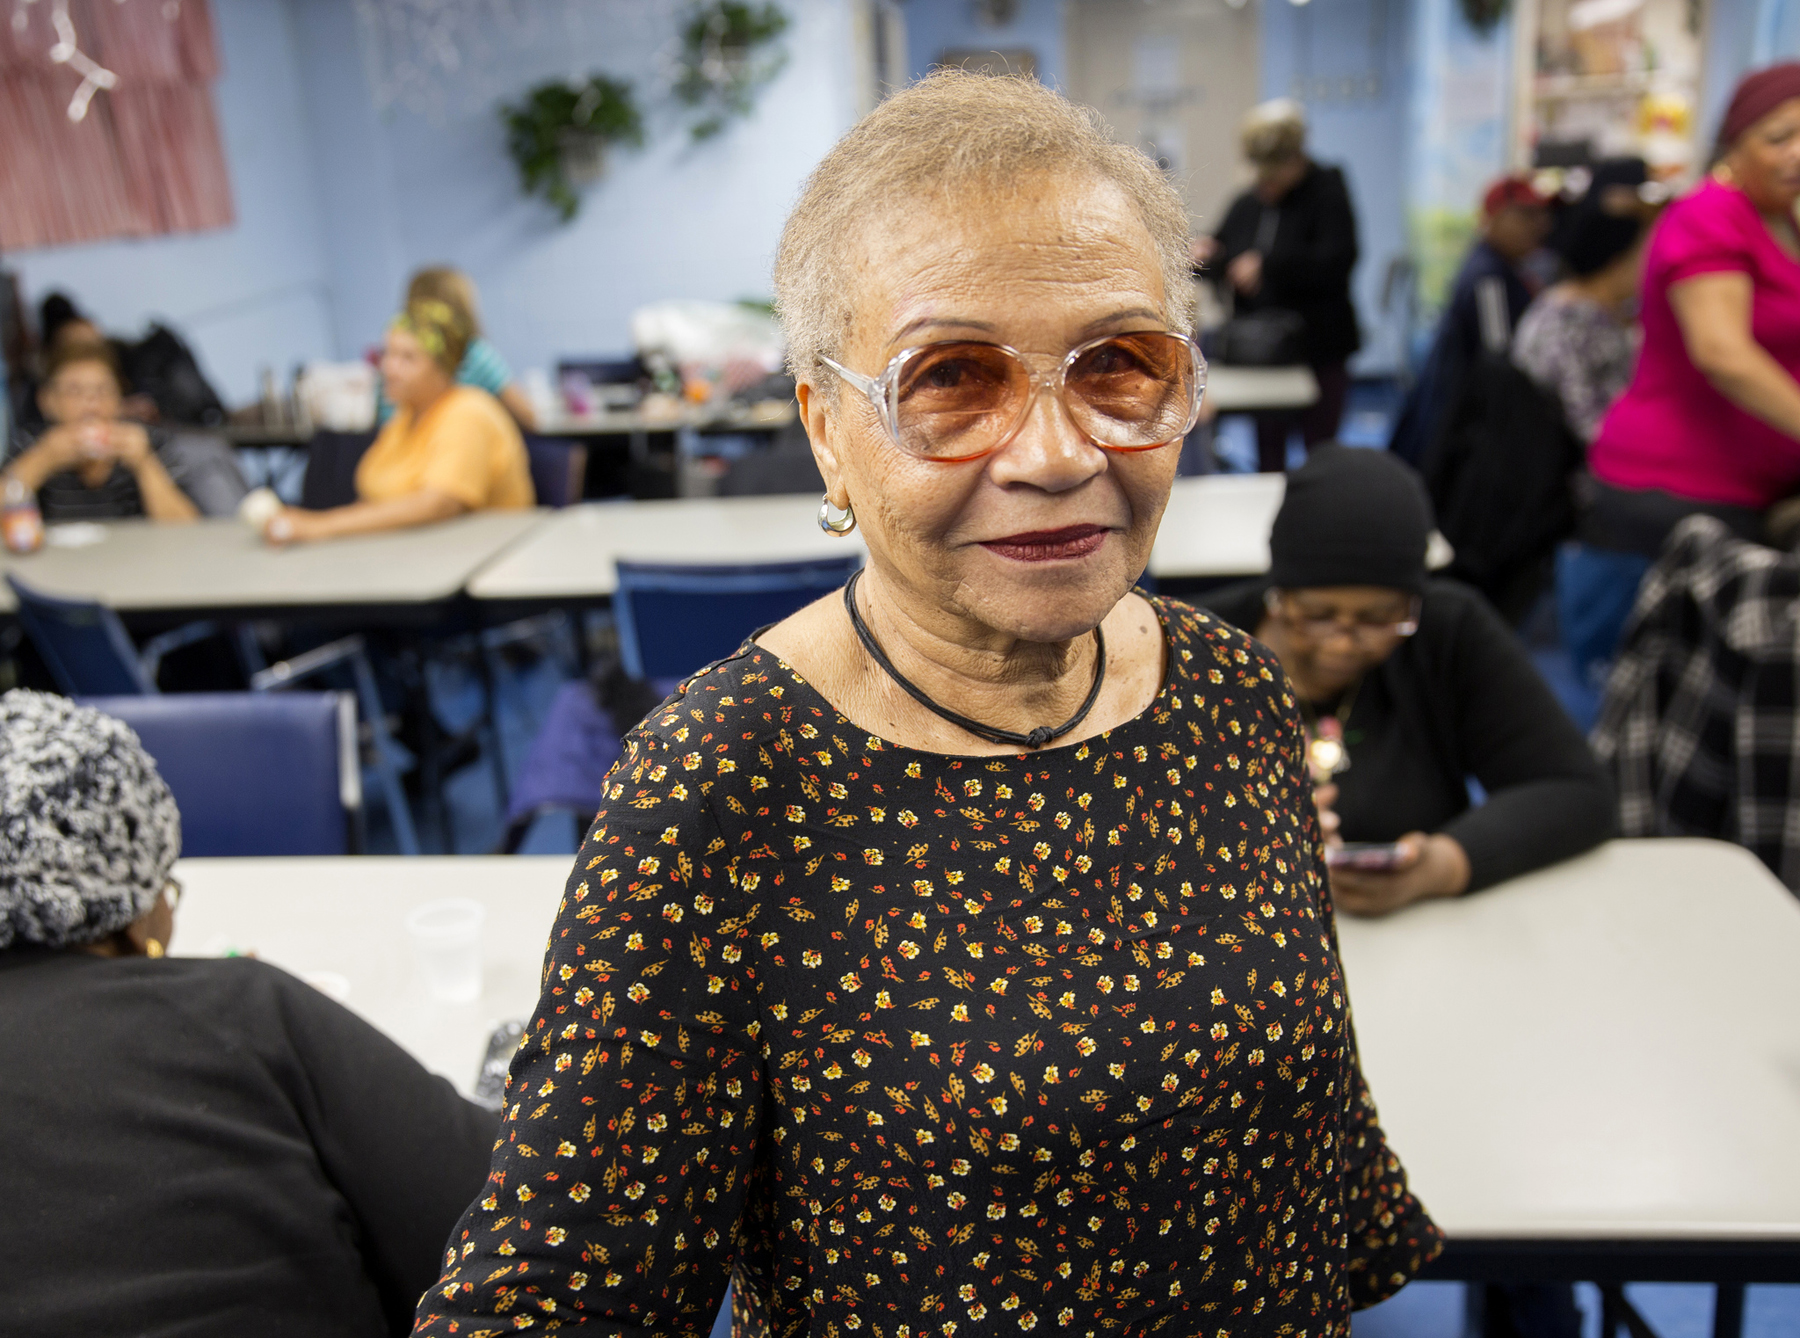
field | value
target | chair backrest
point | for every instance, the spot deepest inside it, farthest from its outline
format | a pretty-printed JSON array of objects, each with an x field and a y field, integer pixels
[
  {"x": 558, "y": 469},
  {"x": 673, "y": 618},
  {"x": 331, "y": 461},
  {"x": 83, "y": 643},
  {"x": 253, "y": 773}
]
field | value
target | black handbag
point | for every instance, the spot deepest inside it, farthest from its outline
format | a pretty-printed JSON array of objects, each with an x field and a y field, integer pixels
[{"x": 1271, "y": 337}]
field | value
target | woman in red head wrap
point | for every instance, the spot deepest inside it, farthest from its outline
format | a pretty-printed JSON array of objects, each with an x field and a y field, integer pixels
[{"x": 1711, "y": 420}]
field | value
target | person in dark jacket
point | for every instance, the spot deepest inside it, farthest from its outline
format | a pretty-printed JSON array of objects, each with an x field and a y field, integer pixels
[
  {"x": 1289, "y": 244},
  {"x": 199, "y": 1146},
  {"x": 1409, "y": 687},
  {"x": 1489, "y": 296}
]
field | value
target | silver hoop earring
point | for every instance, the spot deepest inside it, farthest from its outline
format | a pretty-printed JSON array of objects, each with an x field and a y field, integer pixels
[{"x": 838, "y": 525}]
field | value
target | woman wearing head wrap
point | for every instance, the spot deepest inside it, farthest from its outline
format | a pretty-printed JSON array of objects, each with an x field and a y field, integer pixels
[
  {"x": 1410, "y": 686},
  {"x": 1578, "y": 340},
  {"x": 1711, "y": 420},
  {"x": 448, "y": 448},
  {"x": 197, "y": 1145}
]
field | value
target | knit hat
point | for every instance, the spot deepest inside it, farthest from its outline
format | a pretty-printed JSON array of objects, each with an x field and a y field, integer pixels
[
  {"x": 1351, "y": 517},
  {"x": 1757, "y": 95},
  {"x": 88, "y": 830}
]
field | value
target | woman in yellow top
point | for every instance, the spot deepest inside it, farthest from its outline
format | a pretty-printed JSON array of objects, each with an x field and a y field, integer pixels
[{"x": 447, "y": 449}]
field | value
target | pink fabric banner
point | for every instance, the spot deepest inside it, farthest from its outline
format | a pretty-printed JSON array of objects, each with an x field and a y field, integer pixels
[{"x": 146, "y": 160}]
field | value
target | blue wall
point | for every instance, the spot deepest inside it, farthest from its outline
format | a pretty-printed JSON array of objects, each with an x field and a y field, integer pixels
[
  {"x": 934, "y": 25},
  {"x": 338, "y": 199},
  {"x": 401, "y": 189}
]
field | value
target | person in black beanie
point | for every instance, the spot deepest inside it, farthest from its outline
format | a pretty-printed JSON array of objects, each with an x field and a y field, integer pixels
[{"x": 1411, "y": 686}]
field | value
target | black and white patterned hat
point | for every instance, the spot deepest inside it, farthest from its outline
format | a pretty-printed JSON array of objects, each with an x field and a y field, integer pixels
[{"x": 88, "y": 830}]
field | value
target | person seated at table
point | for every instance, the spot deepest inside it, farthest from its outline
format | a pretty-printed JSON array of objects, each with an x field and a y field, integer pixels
[
  {"x": 482, "y": 364},
  {"x": 449, "y": 449},
  {"x": 198, "y": 1145},
  {"x": 1409, "y": 687},
  {"x": 91, "y": 463}
]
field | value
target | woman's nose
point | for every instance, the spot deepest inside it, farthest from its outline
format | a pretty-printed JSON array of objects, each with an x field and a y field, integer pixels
[{"x": 1048, "y": 451}]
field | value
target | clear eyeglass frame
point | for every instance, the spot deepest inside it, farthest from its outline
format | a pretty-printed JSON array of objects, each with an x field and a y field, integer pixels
[
  {"x": 1319, "y": 628},
  {"x": 882, "y": 392}
]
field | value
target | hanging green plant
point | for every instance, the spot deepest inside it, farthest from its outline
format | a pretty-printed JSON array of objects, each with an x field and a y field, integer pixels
[
  {"x": 727, "y": 56},
  {"x": 559, "y": 134}
]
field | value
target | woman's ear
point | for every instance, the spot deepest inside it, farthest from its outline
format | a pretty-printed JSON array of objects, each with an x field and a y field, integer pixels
[
  {"x": 817, "y": 418},
  {"x": 150, "y": 933}
]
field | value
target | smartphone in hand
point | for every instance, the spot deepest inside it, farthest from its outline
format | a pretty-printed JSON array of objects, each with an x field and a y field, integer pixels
[{"x": 1365, "y": 856}]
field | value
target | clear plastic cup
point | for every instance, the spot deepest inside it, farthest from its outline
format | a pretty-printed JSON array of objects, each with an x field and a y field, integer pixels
[{"x": 446, "y": 939}]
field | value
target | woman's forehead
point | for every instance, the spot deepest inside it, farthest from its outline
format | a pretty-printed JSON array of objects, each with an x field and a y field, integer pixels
[{"x": 1011, "y": 263}]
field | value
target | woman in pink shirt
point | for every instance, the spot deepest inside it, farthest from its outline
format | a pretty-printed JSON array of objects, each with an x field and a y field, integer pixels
[{"x": 1711, "y": 419}]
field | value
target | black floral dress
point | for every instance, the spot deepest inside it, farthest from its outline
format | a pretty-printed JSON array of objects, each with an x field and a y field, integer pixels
[{"x": 927, "y": 1044}]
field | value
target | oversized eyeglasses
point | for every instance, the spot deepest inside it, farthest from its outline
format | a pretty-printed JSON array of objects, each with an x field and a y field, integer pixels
[
  {"x": 963, "y": 398},
  {"x": 1363, "y": 628}
]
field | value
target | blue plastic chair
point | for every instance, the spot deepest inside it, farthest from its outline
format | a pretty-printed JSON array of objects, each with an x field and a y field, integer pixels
[
  {"x": 674, "y": 618},
  {"x": 89, "y": 653},
  {"x": 558, "y": 469},
  {"x": 253, "y": 773}
]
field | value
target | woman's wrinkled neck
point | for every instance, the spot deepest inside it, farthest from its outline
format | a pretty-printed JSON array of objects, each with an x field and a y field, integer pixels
[{"x": 953, "y": 655}]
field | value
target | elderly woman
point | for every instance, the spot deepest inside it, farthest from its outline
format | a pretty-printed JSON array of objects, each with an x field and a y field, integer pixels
[
  {"x": 1711, "y": 420},
  {"x": 1289, "y": 244},
  {"x": 957, "y": 955},
  {"x": 447, "y": 450},
  {"x": 196, "y": 1145},
  {"x": 1409, "y": 687}
]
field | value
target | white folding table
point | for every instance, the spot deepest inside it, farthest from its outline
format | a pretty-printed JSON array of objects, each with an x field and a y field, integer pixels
[
  {"x": 1591, "y": 1073},
  {"x": 570, "y": 558},
  {"x": 219, "y": 568}
]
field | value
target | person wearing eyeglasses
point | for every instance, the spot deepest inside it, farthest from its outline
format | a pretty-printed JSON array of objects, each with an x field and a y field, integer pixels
[
  {"x": 203, "y": 1146},
  {"x": 904, "y": 970},
  {"x": 1411, "y": 687}
]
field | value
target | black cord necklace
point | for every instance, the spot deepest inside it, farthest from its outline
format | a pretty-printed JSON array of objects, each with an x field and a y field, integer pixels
[{"x": 1036, "y": 738}]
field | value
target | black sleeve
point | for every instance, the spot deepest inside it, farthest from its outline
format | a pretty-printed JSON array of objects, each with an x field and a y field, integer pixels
[
  {"x": 1320, "y": 263},
  {"x": 403, "y": 1148},
  {"x": 1235, "y": 236},
  {"x": 1547, "y": 797}
]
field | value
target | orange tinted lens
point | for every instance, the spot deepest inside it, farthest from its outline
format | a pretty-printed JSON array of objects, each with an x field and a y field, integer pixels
[
  {"x": 958, "y": 400},
  {"x": 1133, "y": 390}
]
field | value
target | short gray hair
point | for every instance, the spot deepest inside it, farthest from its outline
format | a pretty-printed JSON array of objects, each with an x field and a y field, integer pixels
[
  {"x": 1273, "y": 132},
  {"x": 88, "y": 829},
  {"x": 954, "y": 129}
]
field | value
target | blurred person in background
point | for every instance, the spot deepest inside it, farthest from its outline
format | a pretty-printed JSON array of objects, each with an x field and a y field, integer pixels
[
  {"x": 1578, "y": 340},
  {"x": 1489, "y": 296},
  {"x": 203, "y": 1146},
  {"x": 160, "y": 379},
  {"x": 482, "y": 364},
  {"x": 448, "y": 449},
  {"x": 1409, "y": 686},
  {"x": 1288, "y": 244},
  {"x": 1711, "y": 419},
  {"x": 91, "y": 462}
]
